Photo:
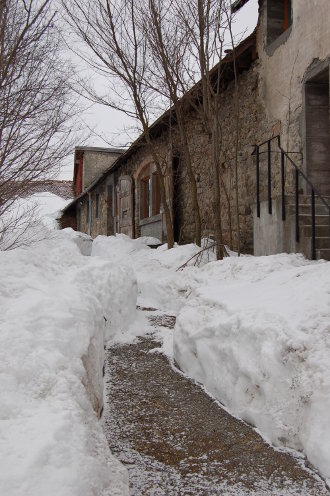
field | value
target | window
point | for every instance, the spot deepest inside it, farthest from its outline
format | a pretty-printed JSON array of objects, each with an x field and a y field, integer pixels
[
  {"x": 97, "y": 205},
  {"x": 317, "y": 128},
  {"x": 145, "y": 196},
  {"x": 89, "y": 213},
  {"x": 155, "y": 194},
  {"x": 149, "y": 193},
  {"x": 78, "y": 218},
  {"x": 279, "y": 18}
]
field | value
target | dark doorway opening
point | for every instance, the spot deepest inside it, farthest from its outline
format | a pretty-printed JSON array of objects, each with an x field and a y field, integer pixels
[
  {"x": 279, "y": 18},
  {"x": 110, "y": 217},
  {"x": 177, "y": 200},
  {"x": 318, "y": 131}
]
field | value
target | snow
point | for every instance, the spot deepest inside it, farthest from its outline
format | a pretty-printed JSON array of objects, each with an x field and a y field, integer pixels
[
  {"x": 56, "y": 307},
  {"x": 48, "y": 207},
  {"x": 253, "y": 330},
  {"x": 158, "y": 283},
  {"x": 82, "y": 240},
  {"x": 26, "y": 219}
]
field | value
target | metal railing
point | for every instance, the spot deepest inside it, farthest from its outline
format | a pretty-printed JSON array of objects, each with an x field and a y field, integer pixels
[{"x": 298, "y": 174}]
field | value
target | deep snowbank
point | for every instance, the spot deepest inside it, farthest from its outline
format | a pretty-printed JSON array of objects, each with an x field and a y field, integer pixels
[
  {"x": 158, "y": 283},
  {"x": 82, "y": 240},
  {"x": 55, "y": 307},
  {"x": 256, "y": 333}
]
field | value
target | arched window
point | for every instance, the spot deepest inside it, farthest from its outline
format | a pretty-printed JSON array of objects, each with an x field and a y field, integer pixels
[{"x": 149, "y": 192}]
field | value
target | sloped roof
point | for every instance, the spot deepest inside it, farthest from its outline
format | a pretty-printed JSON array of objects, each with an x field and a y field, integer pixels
[
  {"x": 98, "y": 149},
  {"x": 238, "y": 4},
  {"x": 63, "y": 189},
  {"x": 247, "y": 46}
]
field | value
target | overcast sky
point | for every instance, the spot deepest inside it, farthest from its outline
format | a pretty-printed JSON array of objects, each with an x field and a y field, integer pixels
[{"x": 113, "y": 128}]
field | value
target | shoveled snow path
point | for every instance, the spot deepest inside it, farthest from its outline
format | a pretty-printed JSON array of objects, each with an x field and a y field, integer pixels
[{"x": 176, "y": 440}]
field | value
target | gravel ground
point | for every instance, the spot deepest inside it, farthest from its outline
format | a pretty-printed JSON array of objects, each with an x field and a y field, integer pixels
[{"x": 174, "y": 439}]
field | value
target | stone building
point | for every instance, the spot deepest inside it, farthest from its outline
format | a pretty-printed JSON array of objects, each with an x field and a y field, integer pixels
[
  {"x": 89, "y": 163},
  {"x": 283, "y": 101},
  {"x": 293, "y": 45}
]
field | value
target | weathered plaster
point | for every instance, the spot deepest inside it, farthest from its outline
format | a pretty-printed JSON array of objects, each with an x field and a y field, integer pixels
[{"x": 283, "y": 72}]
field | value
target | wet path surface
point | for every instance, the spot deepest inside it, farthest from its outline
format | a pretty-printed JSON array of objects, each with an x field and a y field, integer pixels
[{"x": 174, "y": 439}]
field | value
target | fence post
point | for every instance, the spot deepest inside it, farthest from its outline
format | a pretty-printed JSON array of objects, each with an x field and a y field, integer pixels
[
  {"x": 283, "y": 185},
  {"x": 297, "y": 206},
  {"x": 313, "y": 226},
  {"x": 269, "y": 177},
  {"x": 258, "y": 180}
]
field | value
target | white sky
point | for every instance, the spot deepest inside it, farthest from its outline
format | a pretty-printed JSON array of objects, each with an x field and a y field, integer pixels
[{"x": 113, "y": 128}]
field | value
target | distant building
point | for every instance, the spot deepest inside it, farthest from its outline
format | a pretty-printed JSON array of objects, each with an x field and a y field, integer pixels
[{"x": 90, "y": 163}]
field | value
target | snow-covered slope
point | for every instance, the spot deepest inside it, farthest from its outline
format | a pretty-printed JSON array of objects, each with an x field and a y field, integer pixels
[
  {"x": 30, "y": 219},
  {"x": 254, "y": 330}
]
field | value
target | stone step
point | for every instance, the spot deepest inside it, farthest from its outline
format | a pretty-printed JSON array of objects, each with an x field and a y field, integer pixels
[
  {"x": 321, "y": 243},
  {"x": 320, "y": 220},
  {"x": 323, "y": 254},
  {"x": 321, "y": 231},
  {"x": 307, "y": 209},
  {"x": 306, "y": 199}
]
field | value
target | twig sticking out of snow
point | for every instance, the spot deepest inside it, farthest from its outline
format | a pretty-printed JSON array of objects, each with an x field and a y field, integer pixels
[{"x": 226, "y": 254}]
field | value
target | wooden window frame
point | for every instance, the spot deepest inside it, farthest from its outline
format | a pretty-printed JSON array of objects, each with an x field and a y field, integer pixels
[
  {"x": 145, "y": 197},
  {"x": 149, "y": 193},
  {"x": 155, "y": 194}
]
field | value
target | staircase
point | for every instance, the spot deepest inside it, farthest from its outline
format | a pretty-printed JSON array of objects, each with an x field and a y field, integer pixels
[
  {"x": 322, "y": 229},
  {"x": 308, "y": 214}
]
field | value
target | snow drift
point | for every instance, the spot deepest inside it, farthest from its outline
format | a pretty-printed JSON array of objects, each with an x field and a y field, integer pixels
[
  {"x": 159, "y": 285},
  {"x": 255, "y": 332},
  {"x": 56, "y": 306}
]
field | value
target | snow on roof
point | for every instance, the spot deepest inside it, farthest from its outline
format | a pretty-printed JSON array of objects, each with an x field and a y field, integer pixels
[{"x": 98, "y": 149}]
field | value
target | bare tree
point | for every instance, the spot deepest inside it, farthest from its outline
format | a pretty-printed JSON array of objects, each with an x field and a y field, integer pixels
[
  {"x": 212, "y": 22},
  {"x": 35, "y": 105},
  {"x": 206, "y": 23},
  {"x": 117, "y": 48},
  {"x": 237, "y": 126},
  {"x": 163, "y": 53},
  {"x": 169, "y": 43}
]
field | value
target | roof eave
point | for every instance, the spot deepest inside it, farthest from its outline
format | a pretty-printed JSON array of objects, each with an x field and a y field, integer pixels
[
  {"x": 244, "y": 45},
  {"x": 237, "y": 5}
]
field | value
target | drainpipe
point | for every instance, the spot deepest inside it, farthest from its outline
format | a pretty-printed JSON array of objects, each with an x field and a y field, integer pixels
[
  {"x": 89, "y": 214},
  {"x": 133, "y": 207}
]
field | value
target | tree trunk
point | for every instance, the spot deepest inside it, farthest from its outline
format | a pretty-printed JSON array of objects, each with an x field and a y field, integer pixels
[
  {"x": 192, "y": 179},
  {"x": 216, "y": 190}
]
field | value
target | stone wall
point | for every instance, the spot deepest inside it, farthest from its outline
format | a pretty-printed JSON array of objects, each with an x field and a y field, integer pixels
[
  {"x": 131, "y": 167},
  {"x": 270, "y": 101},
  {"x": 253, "y": 127},
  {"x": 69, "y": 219},
  {"x": 284, "y": 67},
  {"x": 98, "y": 225},
  {"x": 95, "y": 163}
]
